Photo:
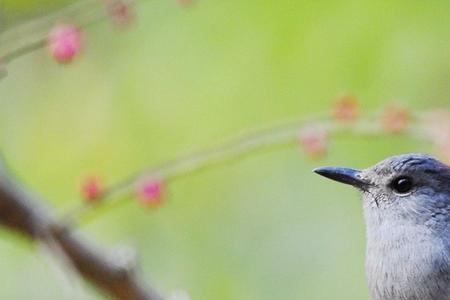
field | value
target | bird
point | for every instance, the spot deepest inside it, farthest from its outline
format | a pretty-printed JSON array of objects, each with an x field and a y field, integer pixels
[{"x": 406, "y": 206}]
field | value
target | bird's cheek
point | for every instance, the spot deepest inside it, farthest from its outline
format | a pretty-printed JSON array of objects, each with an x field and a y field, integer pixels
[
  {"x": 382, "y": 200},
  {"x": 369, "y": 199}
]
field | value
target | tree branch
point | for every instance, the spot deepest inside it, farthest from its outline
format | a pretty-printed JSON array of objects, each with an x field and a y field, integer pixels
[
  {"x": 25, "y": 214},
  {"x": 282, "y": 134},
  {"x": 32, "y": 35}
]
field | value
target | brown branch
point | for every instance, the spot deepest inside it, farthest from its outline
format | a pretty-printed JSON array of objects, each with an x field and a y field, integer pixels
[{"x": 24, "y": 213}]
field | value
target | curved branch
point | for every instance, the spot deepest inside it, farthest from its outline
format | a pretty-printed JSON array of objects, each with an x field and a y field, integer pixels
[
  {"x": 249, "y": 142},
  {"x": 24, "y": 213},
  {"x": 31, "y": 36}
]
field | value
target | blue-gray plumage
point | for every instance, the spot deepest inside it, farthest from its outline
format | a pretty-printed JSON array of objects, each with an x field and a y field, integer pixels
[{"x": 407, "y": 214}]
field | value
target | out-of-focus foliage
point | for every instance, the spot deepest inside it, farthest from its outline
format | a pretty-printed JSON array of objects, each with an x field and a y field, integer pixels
[
  {"x": 184, "y": 77},
  {"x": 16, "y": 11}
]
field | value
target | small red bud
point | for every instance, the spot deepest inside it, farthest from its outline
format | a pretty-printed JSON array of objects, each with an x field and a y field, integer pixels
[
  {"x": 314, "y": 141},
  {"x": 64, "y": 42},
  {"x": 443, "y": 151},
  {"x": 346, "y": 109},
  {"x": 91, "y": 188},
  {"x": 121, "y": 13},
  {"x": 150, "y": 191},
  {"x": 436, "y": 126},
  {"x": 395, "y": 118},
  {"x": 185, "y": 3}
]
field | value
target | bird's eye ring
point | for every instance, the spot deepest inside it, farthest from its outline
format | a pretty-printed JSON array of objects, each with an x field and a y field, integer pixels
[{"x": 402, "y": 185}]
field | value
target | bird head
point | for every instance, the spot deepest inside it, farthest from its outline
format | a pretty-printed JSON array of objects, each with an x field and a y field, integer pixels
[{"x": 408, "y": 183}]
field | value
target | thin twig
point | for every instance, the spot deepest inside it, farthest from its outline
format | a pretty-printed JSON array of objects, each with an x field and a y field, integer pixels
[
  {"x": 232, "y": 149},
  {"x": 31, "y": 36}
]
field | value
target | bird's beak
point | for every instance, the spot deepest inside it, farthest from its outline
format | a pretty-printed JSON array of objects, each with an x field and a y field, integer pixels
[{"x": 344, "y": 175}]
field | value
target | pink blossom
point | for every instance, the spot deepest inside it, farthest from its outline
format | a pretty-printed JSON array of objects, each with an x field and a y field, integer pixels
[
  {"x": 443, "y": 150},
  {"x": 346, "y": 109},
  {"x": 64, "y": 42},
  {"x": 150, "y": 191},
  {"x": 185, "y": 3},
  {"x": 436, "y": 126},
  {"x": 395, "y": 118},
  {"x": 121, "y": 13},
  {"x": 91, "y": 188},
  {"x": 314, "y": 141}
]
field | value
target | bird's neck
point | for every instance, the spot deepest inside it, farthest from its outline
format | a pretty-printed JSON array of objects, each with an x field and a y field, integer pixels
[{"x": 402, "y": 253}]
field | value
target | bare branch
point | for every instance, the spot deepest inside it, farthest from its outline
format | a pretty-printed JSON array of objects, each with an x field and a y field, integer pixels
[
  {"x": 24, "y": 213},
  {"x": 32, "y": 35},
  {"x": 283, "y": 134}
]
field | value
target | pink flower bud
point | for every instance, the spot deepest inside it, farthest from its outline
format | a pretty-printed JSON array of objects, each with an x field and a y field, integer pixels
[
  {"x": 314, "y": 141},
  {"x": 185, "y": 3},
  {"x": 121, "y": 13},
  {"x": 436, "y": 126},
  {"x": 443, "y": 151},
  {"x": 64, "y": 42},
  {"x": 150, "y": 191},
  {"x": 346, "y": 109},
  {"x": 91, "y": 188},
  {"x": 395, "y": 118}
]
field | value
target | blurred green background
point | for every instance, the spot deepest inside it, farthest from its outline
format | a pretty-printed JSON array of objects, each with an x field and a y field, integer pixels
[{"x": 185, "y": 77}]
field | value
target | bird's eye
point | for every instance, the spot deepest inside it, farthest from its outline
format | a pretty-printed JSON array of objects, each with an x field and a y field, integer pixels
[{"x": 402, "y": 185}]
